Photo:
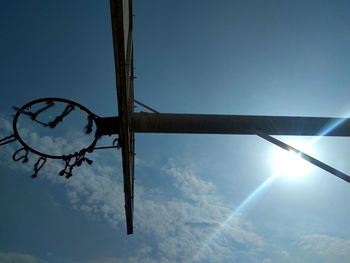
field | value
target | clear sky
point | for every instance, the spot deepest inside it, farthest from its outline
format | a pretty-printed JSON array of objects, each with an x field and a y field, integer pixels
[{"x": 205, "y": 198}]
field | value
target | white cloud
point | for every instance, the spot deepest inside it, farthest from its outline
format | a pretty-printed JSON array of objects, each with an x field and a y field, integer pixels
[
  {"x": 128, "y": 260},
  {"x": 191, "y": 185},
  {"x": 183, "y": 225},
  {"x": 11, "y": 257},
  {"x": 325, "y": 245},
  {"x": 182, "y": 228},
  {"x": 96, "y": 190}
]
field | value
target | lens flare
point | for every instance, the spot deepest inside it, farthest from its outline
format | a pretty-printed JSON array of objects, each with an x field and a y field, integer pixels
[{"x": 290, "y": 164}]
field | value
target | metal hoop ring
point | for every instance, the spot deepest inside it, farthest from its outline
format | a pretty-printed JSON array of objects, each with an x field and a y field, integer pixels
[{"x": 33, "y": 102}]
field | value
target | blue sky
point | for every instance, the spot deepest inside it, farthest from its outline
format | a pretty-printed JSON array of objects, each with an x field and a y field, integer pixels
[{"x": 229, "y": 57}]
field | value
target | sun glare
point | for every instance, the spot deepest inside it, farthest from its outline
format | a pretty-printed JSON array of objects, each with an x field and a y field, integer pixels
[{"x": 290, "y": 164}]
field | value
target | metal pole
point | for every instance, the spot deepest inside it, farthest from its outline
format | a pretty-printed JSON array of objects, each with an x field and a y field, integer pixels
[{"x": 305, "y": 156}]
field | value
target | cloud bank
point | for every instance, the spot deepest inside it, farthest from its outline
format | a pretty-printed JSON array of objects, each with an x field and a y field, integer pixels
[{"x": 180, "y": 227}]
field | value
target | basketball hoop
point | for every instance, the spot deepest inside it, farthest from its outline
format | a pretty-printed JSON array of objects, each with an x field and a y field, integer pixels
[{"x": 33, "y": 110}]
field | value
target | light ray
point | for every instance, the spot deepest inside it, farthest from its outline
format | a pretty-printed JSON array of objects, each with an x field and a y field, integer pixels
[
  {"x": 206, "y": 243},
  {"x": 254, "y": 194}
]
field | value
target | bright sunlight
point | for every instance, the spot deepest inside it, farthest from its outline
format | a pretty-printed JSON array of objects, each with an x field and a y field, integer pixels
[{"x": 290, "y": 164}]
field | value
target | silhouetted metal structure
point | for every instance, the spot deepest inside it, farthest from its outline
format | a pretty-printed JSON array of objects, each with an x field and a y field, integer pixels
[
  {"x": 129, "y": 122},
  {"x": 227, "y": 124},
  {"x": 121, "y": 13}
]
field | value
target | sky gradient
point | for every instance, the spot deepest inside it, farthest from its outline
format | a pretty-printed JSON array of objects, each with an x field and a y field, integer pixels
[{"x": 203, "y": 198}]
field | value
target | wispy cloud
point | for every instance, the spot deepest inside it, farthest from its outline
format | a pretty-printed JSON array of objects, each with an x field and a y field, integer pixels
[
  {"x": 182, "y": 224},
  {"x": 177, "y": 225},
  {"x": 11, "y": 257},
  {"x": 136, "y": 259},
  {"x": 326, "y": 246}
]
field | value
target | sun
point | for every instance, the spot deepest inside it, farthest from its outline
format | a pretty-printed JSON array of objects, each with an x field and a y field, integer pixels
[{"x": 290, "y": 164}]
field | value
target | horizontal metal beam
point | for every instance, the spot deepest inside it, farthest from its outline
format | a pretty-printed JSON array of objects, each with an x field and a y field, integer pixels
[
  {"x": 238, "y": 124},
  {"x": 228, "y": 124}
]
